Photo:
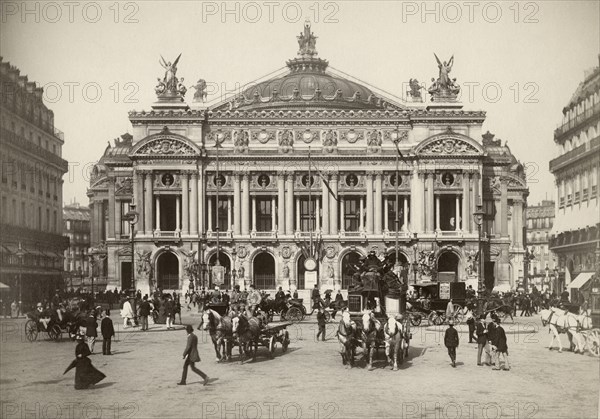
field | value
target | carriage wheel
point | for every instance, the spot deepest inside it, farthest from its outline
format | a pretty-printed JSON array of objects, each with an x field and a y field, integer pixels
[
  {"x": 286, "y": 341},
  {"x": 459, "y": 316},
  {"x": 439, "y": 320},
  {"x": 31, "y": 330},
  {"x": 55, "y": 333},
  {"x": 327, "y": 317},
  {"x": 272, "y": 342},
  {"x": 294, "y": 314},
  {"x": 415, "y": 320},
  {"x": 433, "y": 318}
]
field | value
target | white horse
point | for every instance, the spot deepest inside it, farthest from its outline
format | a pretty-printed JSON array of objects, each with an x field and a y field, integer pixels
[
  {"x": 559, "y": 322},
  {"x": 395, "y": 344},
  {"x": 370, "y": 336},
  {"x": 584, "y": 323}
]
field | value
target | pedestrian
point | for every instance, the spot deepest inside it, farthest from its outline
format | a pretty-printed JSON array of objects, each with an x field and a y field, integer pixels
[
  {"x": 85, "y": 373},
  {"x": 338, "y": 303},
  {"x": 145, "y": 309},
  {"x": 449, "y": 310},
  {"x": 254, "y": 299},
  {"x": 295, "y": 294},
  {"x": 451, "y": 341},
  {"x": 108, "y": 331},
  {"x": 127, "y": 314},
  {"x": 500, "y": 346},
  {"x": 91, "y": 331},
  {"x": 492, "y": 336},
  {"x": 191, "y": 356},
  {"x": 14, "y": 309},
  {"x": 482, "y": 341},
  {"x": 169, "y": 312},
  {"x": 316, "y": 297},
  {"x": 471, "y": 324},
  {"x": 321, "y": 323},
  {"x": 177, "y": 310}
]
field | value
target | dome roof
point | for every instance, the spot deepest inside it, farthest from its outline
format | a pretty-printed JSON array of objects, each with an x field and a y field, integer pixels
[{"x": 307, "y": 84}]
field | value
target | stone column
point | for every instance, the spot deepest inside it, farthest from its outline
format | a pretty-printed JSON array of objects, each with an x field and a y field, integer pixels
[
  {"x": 138, "y": 187},
  {"x": 245, "y": 205},
  {"x": 466, "y": 202},
  {"x": 437, "y": 212},
  {"x": 326, "y": 197},
  {"x": 93, "y": 230},
  {"x": 273, "y": 214},
  {"x": 298, "y": 214},
  {"x": 118, "y": 216},
  {"x": 157, "y": 212},
  {"x": 333, "y": 206},
  {"x": 177, "y": 213},
  {"x": 504, "y": 207},
  {"x": 237, "y": 204},
  {"x": 185, "y": 203},
  {"x": 209, "y": 213},
  {"x": 415, "y": 211},
  {"x": 201, "y": 203},
  {"x": 370, "y": 206},
  {"x": 148, "y": 203},
  {"x": 405, "y": 214},
  {"x": 111, "y": 209},
  {"x": 362, "y": 214},
  {"x": 476, "y": 195},
  {"x": 429, "y": 205},
  {"x": 378, "y": 211},
  {"x": 457, "y": 213},
  {"x": 280, "y": 204},
  {"x": 342, "y": 213},
  {"x": 194, "y": 205},
  {"x": 229, "y": 213},
  {"x": 289, "y": 205},
  {"x": 386, "y": 218},
  {"x": 253, "y": 213},
  {"x": 518, "y": 220}
]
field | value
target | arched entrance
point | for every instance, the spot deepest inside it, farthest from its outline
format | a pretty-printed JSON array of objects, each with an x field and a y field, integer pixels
[
  {"x": 223, "y": 261},
  {"x": 448, "y": 263},
  {"x": 167, "y": 270},
  {"x": 350, "y": 259},
  {"x": 263, "y": 271},
  {"x": 401, "y": 256},
  {"x": 300, "y": 271}
]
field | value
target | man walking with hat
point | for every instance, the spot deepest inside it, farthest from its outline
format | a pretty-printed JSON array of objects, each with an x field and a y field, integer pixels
[
  {"x": 451, "y": 341},
  {"x": 191, "y": 356}
]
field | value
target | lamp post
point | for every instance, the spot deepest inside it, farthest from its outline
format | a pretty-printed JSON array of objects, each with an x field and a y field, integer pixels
[
  {"x": 91, "y": 264},
  {"x": 20, "y": 254},
  {"x": 478, "y": 218},
  {"x": 397, "y": 184},
  {"x": 131, "y": 216},
  {"x": 529, "y": 256},
  {"x": 547, "y": 277},
  {"x": 81, "y": 268},
  {"x": 415, "y": 263}
]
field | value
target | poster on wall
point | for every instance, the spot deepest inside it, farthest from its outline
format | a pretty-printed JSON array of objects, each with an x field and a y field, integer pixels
[
  {"x": 218, "y": 275},
  {"x": 310, "y": 279},
  {"x": 444, "y": 291}
]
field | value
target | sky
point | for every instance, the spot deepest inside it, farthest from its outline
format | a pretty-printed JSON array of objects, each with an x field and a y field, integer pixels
[{"x": 518, "y": 61}]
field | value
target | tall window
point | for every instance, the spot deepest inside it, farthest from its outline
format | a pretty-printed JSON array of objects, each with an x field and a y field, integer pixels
[
  {"x": 390, "y": 212},
  {"x": 264, "y": 210},
  {"x": 351, "y": 213},
  {"x": 223, "y": 208},
  {"x": 23, "y": 215},
  {"x": 307, "y": 214}
]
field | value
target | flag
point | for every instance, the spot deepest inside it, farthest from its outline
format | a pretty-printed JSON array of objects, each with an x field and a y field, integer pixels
[{"x": 325, "y": 181}]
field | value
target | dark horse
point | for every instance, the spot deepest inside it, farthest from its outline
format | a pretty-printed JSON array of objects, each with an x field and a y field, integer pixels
[
  {"x": 247, "y": 331},
  {"x": 272, "y": 307},
  {"x": 220, "y": 329}
]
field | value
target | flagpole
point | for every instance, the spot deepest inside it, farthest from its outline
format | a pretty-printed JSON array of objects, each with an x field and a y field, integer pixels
[
  {"x": 397, "y": 205},
  {"x": 310, "y": 208}
]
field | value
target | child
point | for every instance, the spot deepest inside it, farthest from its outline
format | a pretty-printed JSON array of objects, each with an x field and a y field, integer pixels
[{"x": 108, "y": 331}]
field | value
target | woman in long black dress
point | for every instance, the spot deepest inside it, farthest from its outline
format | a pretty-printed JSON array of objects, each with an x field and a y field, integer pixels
[{"x": 85, "y": 373}]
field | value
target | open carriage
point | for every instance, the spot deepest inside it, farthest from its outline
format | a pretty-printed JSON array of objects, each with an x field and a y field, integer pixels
[
  {"x": 434, "y": 298},
  {"x": 53, "y": 328}
]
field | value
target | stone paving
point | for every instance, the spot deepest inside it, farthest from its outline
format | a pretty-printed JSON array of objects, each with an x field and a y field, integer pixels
[{"x": 307, "y": 381}]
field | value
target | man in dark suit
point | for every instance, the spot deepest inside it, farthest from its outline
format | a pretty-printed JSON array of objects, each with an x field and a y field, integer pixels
[
  {"x": 191, "y": 356},
  {"x": 144, "y": 313},
  {"x": 500, "y": 346},
  {"x": 482, "y": 340},
  {"x": 108, "y": 331},
  {"x": 90, "y": 330},
  {"x": 451, "y": 341}
]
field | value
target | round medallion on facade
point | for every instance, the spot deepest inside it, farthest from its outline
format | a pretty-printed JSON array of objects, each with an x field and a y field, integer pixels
[
  {"x": 310, "y": 264},
  {"x": 263, "y": 180},
  {"x": 351, "y": 180},
  {"x": 448, "y": 179},
  {"x": 393, "y": 180},
  {"x": 286, "y": 252},
  {"x": 219, "y": 180},
  {"x": 306, "y": 182},
  {"x": 167, "y": 179}
]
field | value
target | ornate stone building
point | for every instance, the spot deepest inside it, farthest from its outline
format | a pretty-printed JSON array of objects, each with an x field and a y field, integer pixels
[
  {"x": 540, "y": 219},
  {"x": 31, "y": 189},
  {"x": 575, "y": 238},
  {"x": 76, "y": 226},
  {"x": 300, "y": 164}
]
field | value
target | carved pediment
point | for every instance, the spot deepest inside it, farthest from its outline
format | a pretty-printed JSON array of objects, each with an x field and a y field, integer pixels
[
  {"x": 165, "y": 144},
  {"x": 449, "y": 144}
]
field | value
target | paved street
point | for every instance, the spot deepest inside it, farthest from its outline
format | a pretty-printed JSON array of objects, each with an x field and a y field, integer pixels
[{"x": 306, "y": 381}]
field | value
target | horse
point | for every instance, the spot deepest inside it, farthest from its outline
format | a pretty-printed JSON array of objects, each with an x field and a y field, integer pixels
[
  {"x": 346, "y": 337},
  {"x": 559, "y": 322},
  {"x": 271, "y": 307},
  {"x": 370, "y": 331},
  {"x": 394, "y": 342},
  {"x": 584, "y": 323},
  {"x": 211, "y": 321},
  {"x": 247, "y": 331}
]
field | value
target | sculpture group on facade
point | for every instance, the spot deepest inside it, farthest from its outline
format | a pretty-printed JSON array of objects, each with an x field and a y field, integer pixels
[
  {"x": 170, "y": 85},
  {"x": 307, "y": 42},
  {"x": 444, "y": 87}
]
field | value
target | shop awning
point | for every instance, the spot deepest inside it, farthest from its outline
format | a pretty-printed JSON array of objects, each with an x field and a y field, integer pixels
[
  {"x": 3, "y": 286},
  {"x": 581, "y": 279}
]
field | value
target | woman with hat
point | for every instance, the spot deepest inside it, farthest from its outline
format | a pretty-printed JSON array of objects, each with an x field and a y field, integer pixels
[{"x": 85, "y": 373}]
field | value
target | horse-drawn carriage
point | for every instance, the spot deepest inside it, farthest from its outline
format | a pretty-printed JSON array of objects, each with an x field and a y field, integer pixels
[
  {"x": 51, "y": 325},
  {"x": 228, "y": 330},
  {"x": 576, "y": 324},
  {"x": 433, "y": 302}
]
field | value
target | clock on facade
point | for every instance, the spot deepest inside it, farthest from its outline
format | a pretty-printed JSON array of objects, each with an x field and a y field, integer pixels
[{"x": 310, "y": 264}]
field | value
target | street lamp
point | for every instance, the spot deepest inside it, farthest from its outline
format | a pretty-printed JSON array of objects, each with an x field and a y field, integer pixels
[
  {"x": 547, "y": 278},
  {"x": 233, "y": 257},
  {"x": 529, "y": 256},
  {"x": 478, "y": 218},
  {"x": 81, "y": 268},
  {"x": 20, "y": 254},
  {"x": 131, "y": 217}
]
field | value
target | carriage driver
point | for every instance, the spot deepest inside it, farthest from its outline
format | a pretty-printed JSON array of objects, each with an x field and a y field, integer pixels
[
  {"x": 254, "y": 299},
  {"x": 42, "y": 315}
]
